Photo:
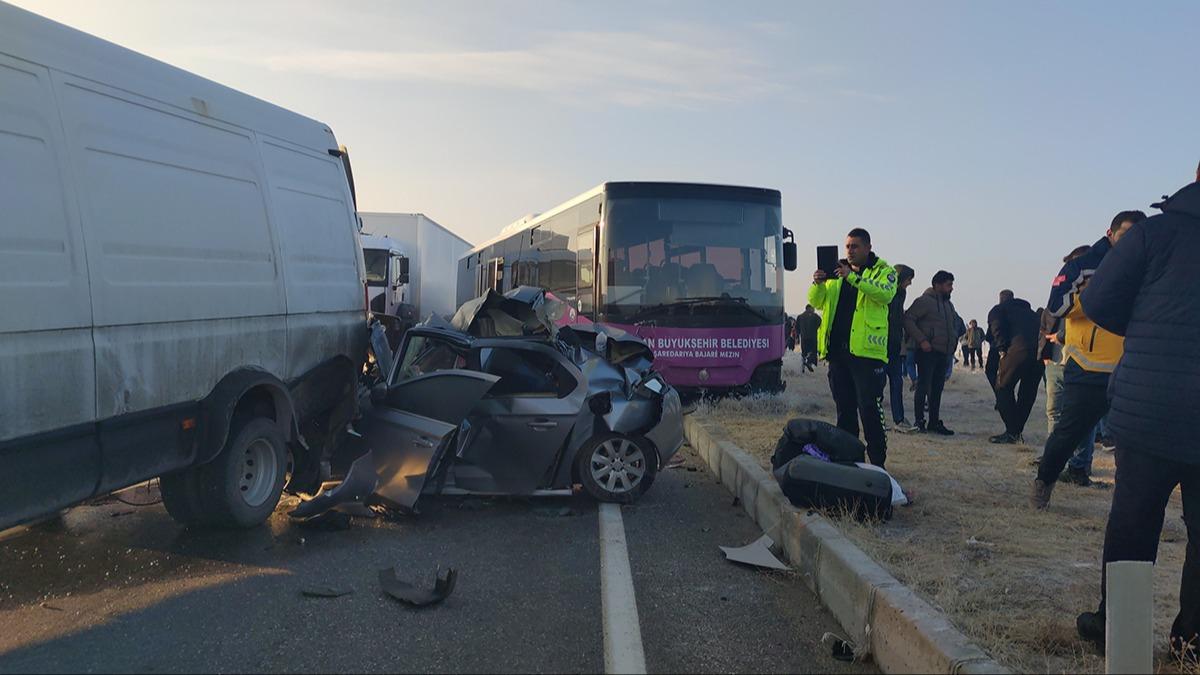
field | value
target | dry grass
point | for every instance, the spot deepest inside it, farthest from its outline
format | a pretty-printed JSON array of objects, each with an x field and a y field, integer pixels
[{"x": 1011, "y": 578}]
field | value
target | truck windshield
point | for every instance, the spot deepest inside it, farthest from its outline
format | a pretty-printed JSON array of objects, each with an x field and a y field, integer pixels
[
  {"x": 665, "y": 254},
  {"x": 377, "y": 262}
]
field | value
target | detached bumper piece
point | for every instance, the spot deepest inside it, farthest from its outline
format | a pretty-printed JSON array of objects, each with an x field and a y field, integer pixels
[{"x": 409, "y": 594}]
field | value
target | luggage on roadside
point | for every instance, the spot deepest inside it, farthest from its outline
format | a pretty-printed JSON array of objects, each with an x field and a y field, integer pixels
[
  {"x": 811, "y": 482},
  {"x": 837, "y": 444}
]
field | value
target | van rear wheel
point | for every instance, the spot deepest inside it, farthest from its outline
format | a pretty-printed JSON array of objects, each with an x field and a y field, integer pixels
[
  {"x": 238, "y": 489},
  {"x": 241, "y": 487}
]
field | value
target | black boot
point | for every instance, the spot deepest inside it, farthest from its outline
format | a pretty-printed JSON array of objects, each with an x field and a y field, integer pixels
[{"x": 1091, "y": 627}]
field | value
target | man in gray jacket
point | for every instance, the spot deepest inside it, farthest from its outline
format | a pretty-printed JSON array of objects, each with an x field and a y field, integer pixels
[{"x": 932, "y": 324}]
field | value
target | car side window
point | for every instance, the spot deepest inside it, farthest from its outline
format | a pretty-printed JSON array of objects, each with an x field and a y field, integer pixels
[
  {"x": 424, "y": 355},
  {"x": 524, "y": 372}
]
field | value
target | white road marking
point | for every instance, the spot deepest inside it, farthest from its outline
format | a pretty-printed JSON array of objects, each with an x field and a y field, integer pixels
[{"x": 622, "y": 632}]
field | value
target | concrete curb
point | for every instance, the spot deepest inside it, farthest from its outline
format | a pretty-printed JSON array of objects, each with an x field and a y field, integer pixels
[{"x": 902, "y": 632}]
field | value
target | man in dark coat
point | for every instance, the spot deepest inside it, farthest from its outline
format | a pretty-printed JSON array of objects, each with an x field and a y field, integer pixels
[
  {"x": 933, "y": 323},
  {"x": 1148, "y": 290},
  {"x": 1013, "y": 326},
  {"x": 895, "y": 367},
  {"x": 807, "y": 325}
]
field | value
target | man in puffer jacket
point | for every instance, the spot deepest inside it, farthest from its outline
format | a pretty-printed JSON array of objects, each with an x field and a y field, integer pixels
[
  {"x": 933, "y": 324},
  {"x": 1089, "y": 356},
  {"x": 1148, "y": 290}
]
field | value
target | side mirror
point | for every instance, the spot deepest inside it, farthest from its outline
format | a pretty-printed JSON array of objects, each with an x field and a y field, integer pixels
[
  {"x": 379, "y": 393},
  {"x": 402, "y": 277},
  {"x": 789, "y": 256}
]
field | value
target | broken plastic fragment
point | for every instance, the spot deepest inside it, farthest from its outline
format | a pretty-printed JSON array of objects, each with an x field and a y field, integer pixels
[
  {"x": 318, "y": 591},
  {"x": 360, "y": 482},
  {"x": 418, "y": 597},
  {"x": 757, "y": 554}
]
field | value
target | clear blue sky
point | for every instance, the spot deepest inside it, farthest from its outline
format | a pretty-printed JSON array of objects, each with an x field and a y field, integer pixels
[{"x": 985, "y": 138}]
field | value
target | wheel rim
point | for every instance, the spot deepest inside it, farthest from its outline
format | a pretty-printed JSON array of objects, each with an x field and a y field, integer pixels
[
  {"x": 618, "y": 465},
  {"x": 259, "y": 468}
]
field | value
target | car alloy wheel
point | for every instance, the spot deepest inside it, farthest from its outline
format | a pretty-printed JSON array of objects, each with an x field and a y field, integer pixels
[{"x": 618, "y": 465}]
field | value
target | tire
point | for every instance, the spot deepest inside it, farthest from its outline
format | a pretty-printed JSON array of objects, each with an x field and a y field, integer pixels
[
  {"x": 594, "y": 464},
  {"x": 242, "y": 486}
]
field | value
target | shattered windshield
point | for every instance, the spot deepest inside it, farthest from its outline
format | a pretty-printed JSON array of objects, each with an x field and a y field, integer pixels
[
  {"x": 663, "y": 251},
  {"x": 423, "y": 355}
]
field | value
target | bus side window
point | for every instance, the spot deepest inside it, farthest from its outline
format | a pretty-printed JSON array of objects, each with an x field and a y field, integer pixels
[{"x": 585, "y": 276}]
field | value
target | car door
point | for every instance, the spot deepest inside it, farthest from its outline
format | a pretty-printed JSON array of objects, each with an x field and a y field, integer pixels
[
  {"x": 409, "y": 431},
  {"x": 520, "y": 427}
]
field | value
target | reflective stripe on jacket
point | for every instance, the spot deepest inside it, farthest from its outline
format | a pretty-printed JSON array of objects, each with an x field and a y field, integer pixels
[{"x": 876, "y": 287}]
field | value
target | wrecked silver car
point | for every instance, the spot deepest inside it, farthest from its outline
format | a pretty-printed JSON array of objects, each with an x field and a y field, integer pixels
[{"x": 502, "y": 400}]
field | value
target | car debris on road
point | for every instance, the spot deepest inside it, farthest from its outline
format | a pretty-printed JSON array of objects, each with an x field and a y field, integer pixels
[{"x": 405, "y": 592}]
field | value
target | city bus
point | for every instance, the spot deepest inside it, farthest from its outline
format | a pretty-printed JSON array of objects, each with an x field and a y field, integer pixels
[{"x": 695, "y": 270}]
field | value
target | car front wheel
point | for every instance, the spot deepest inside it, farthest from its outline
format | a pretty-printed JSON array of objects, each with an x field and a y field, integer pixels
[{"x": 616, "y": 468}]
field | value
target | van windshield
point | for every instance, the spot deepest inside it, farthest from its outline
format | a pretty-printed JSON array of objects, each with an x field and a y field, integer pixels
[{"x": 377, "y": 262}]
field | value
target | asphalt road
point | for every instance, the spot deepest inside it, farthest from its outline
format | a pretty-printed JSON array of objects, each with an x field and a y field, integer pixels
[{"x": 114, "y": 588}]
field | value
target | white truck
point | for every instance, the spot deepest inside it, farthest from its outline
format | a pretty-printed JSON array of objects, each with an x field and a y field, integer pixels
[
  {"x": 182, "y": 286},
  {"x": 412, "y": 261}
]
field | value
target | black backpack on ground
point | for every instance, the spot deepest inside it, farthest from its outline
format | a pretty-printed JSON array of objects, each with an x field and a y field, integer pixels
[
  {"x": 838, "y": 444},
  {"x": 809, "y": 482}
]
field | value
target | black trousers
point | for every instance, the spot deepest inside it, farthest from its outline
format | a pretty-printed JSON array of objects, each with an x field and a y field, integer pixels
[
  {"x": 1143, "y": 487},
  {"x": 857, "y": 387},
  {"x": 1080, "y": 408},
  {"x": 1017, "y": 380},
  {"x": 991, "y": 368},
  {"x": 931, "y": 379}
]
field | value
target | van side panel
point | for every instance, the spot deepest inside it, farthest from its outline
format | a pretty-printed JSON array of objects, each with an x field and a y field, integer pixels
[
  {"x": 48, "y": 452},
  {"x": 321, "y": 255},
  {"x": 184, "y": 269}
]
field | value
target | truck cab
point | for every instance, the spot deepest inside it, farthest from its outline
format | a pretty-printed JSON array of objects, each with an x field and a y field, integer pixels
[{"x": 387, "y": 275}]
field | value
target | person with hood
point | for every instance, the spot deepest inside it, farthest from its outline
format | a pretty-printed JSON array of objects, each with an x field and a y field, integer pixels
[
  {"x": 1053, "y": 335},
  {"x": 933, "y": 324},
  {"x": 853, "y": 338},
  {"x": 1090, "y": 353},
  {"x": 1147, "y": 290},
  {"x": 1013, "y": 326},
  {"x": 896, "y": 354},
  {"x": 807, "y": 325}
]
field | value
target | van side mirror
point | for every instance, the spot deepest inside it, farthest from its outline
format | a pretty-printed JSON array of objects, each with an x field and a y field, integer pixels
[
  {"x": 789, "y": 256},
  {"x": 379, "y": 393}
]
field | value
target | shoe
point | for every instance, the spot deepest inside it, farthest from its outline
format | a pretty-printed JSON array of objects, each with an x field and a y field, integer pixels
[
  {"x": 939, "y": 428},
  {"x": 1091, "y": 627},
  {"x": 1006, "y": 438},
  {"x": 1039, "y": 498},
  {"x": 919, "y": 427},
  {"x": 903, "y": 426},
  {"x": 1075, "y": 477}
]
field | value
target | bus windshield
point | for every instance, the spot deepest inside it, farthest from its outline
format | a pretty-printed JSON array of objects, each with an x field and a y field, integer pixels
[{"x": 671, "y": 256}]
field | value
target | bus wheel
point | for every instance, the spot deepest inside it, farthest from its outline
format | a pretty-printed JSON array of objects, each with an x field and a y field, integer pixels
[{"x": 616, "y": 468}]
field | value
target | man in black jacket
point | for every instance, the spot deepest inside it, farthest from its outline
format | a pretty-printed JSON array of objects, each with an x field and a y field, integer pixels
[
  {"x": 807, "y": 325},
  {"x": 1148, "y": 290},
  {"x": 895, "y": 367},
  {"x": 1013, "y": 326}
]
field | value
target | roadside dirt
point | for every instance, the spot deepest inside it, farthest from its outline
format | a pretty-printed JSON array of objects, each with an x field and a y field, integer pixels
[{"x": 1011, "y": 578}]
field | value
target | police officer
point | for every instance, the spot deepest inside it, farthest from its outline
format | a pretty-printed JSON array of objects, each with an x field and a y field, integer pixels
[{"x": 853, "y": 337}]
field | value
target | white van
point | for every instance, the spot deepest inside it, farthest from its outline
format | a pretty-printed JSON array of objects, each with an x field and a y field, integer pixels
[{"x": 181, "y": 285}]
